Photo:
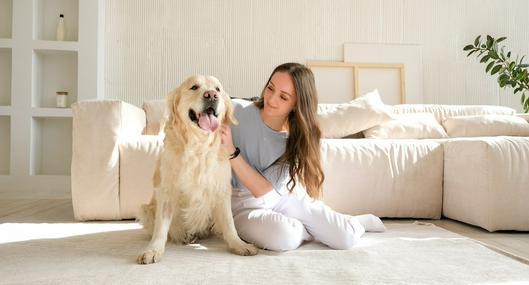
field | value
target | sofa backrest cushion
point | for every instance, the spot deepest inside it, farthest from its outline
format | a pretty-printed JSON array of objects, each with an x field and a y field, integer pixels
[
  {"x": 442, "y": 112},
  {"x": 524, "y": 116},
  {"x": 486, "y": 125},
  {"x": 156, "y": 113},
  {"x": 340, "y": 120},
  {"x": 408, "y": 126}
]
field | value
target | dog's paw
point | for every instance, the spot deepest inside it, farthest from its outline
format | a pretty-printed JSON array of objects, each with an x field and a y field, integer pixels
[
  {"x": 245, "y": 249},
  {"x": 149, "y": 256}
]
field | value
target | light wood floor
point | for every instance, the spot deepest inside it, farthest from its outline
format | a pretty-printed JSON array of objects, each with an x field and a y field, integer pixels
[{"x": 514, "y": 244}]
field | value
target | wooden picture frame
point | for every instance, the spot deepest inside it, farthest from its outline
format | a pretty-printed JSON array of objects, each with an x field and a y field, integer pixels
[{"x": 352, "y": 73}]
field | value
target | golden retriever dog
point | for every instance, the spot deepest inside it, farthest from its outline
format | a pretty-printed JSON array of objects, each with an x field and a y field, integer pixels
[{"x": 192, "y": 179}]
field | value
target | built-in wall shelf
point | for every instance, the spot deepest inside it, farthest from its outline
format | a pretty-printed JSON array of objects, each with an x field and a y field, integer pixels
[
  {"x": 5, "y": 111},
  {"x": 51, "y": 146},
  {"x": 6, "y": 43},
  {"x": 53, "y": 70},
  {"x": 5, "y": 76},
  {"x": 36, "y": 135},
  {"x": 51, "y": 112},
  {"x": 6, "y": 19},
  {"x": 55, "y": 46},
  {"x": 47, "y": 15},
  {"x": 5, "y": 143}
]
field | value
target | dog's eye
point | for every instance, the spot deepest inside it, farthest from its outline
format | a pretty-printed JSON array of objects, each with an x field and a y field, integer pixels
[
  {"x": 218, "y": 89},
  {"x": 194, "y": 87}
]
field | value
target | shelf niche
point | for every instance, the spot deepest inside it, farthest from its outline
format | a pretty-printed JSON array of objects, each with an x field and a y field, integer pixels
[
  {"x": 5, "y": 143},
  {"x": 6, "y": 19},
  {"x": 53, "y": 71},
  {"x": 51, "y": 146},
  {"x": 47, "y": 15},
  {"x": 5, "y": 77}
]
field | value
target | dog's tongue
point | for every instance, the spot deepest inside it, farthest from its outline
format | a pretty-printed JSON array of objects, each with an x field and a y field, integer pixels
[{"x": 208, "y": 122}]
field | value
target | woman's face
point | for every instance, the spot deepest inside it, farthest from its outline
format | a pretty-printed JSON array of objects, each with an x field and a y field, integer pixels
[{"x": 279, "y": 95}]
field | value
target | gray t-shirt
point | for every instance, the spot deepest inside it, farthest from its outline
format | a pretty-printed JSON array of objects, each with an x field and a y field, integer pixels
[{"x": 260, "y": 146}]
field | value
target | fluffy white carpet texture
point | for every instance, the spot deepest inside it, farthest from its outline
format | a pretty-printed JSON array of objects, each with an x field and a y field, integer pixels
[{"x": 105, "y": 253}]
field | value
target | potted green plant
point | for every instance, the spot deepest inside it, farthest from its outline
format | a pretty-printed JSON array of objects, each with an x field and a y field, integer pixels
[{"x": 512, "y": 73}]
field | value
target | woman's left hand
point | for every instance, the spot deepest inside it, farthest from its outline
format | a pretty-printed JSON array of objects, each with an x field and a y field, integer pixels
[{"x": 226, "y": 139}]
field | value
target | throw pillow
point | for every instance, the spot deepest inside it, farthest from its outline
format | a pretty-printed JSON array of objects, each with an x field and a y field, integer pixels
[
  {"x": 408, "y": 126},
  {"x": 340, "y": 120},
  {"x": 486, "y": 125}
]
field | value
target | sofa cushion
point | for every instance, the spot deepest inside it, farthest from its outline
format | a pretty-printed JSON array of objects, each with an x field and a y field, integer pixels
[
  {"x": 137, "y": 158},
  {"x": 156, "y": 114},
  {"x": 441, "y": 112},
  {"x": 98, "y": 127},
  {"x": 486, "y": 125},
  {"x": 486, "y": 182},
  {"x": 524, "y": 116},
  {"x": 408, "y": 126},
  {"x": 340, "y": 120},
  {"x": 388, "y": 178}
]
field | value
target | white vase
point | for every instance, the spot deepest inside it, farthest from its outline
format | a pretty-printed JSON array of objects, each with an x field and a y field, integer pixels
[{"x": 60, "y": 28}]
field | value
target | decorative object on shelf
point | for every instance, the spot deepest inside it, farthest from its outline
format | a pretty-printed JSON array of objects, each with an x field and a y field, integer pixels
[
  {"x": 62, "y": 99},
  {"x": 60, "y": 28},
  {"x": 511, "y": 72}
]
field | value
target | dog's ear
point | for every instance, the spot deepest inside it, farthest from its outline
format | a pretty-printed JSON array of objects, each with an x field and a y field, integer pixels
[
  {"x": 172, "y": 102},
  {"x": 175, "y": 126},
  {"x": 228, "y": 117}
]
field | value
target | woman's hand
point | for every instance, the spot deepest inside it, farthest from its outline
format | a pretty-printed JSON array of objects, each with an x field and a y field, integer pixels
[{"x": 226, "y": 139}]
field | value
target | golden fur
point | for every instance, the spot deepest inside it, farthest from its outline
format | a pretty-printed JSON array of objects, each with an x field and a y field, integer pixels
[{"x": 192, "y": 179}]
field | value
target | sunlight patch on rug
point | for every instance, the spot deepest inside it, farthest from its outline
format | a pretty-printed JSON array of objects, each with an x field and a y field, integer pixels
[{"x": 16, "y": 232}]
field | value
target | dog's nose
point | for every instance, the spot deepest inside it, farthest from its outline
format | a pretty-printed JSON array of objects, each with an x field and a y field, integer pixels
[{"x": 210, "y": 95}]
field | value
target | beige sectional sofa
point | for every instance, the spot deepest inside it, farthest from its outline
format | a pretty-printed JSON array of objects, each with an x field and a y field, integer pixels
[{"x": 482, "y": 181}]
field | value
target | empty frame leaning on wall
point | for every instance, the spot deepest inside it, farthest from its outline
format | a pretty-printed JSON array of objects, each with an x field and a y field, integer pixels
[{"x": 340, "y": 82}]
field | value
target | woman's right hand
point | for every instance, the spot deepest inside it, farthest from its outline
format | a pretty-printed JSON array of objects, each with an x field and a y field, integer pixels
[{"x": 226, "y": 139}]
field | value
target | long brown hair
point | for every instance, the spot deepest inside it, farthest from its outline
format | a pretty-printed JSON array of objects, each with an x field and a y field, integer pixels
[{"x": 302, "y": 154}]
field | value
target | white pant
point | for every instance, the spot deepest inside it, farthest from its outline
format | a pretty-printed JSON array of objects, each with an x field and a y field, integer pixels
[{"x": 282, "y": 223}]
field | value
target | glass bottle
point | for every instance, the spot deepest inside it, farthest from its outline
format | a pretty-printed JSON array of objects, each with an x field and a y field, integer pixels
[
  {"x": 62, "y": 99},
  {"x": 60, "y": 28}
]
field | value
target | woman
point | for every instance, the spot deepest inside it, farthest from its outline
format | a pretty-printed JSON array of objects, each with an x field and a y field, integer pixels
[{"x": 274, "y": 150}]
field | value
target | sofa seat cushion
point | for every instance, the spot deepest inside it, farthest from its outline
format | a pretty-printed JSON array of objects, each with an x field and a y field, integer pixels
[
  {"x": 137, "y": 161},
  {"x": 388, "y": 178},
  {"x": 486, "y": 182}
]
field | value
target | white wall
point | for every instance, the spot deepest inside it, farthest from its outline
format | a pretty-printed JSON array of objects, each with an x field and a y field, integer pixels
[{"x": 151, "y": 46}]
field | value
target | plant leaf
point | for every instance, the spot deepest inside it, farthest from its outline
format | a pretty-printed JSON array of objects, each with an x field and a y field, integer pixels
[
  {"x": 493, "y": 54},
  {"x": 499, "y": 40},
  {"x": 468, "y": 47},
  {"x": 489, "y": 66},
  {"x": 476, "y": 41},
  {"x": 495, "y": 69},
  {"x": 484, "y": 59},
  {"x": 489, "y": 41}
]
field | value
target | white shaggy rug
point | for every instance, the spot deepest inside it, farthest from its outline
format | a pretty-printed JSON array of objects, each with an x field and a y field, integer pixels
[{"x": 105, "y": 253}]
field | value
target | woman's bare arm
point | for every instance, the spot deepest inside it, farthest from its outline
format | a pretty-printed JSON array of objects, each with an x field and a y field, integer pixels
[{"x": 249, "y": 177}]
